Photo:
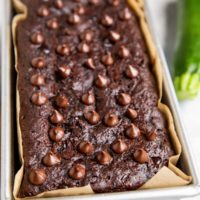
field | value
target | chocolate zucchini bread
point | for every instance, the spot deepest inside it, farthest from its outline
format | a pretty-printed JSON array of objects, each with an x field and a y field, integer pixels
[{"x": 88, "y": 98}]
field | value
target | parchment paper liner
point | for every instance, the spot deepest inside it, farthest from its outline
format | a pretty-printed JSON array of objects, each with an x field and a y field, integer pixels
[{"x": 168, "y": 176}]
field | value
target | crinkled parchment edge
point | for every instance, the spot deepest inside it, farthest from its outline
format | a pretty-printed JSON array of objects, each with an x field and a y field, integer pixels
[{"x": 168, "y": 176}]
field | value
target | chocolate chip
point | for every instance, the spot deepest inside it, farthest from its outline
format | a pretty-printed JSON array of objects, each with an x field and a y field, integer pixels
[
  {"x": 37, "y": 80},
  {"x": 74, "y": 18},
  {"x": 51, "y": 159},
  {"x": 92, "y": 117},
  {"x": 77, "y": 172},
  {"x": 151, "y": 136},
  {"x": 125, "y": 14},
  {"x": 53, "y": 23},
  {"x": 37, "y": 38},
  {"x": 88, "y": 98},
  {"x": 131, "y": 72},
  {"x": 107, "y": 20},
  {"x": 62, "y": 101},
  {"x": 94, "y": 2},
  {"x": 119, "y": 146},
  {"x": 111, "y": 119},
  {"x": 43, "y": 11},
  {"x": 114, "y": 36},
  {"x": 132, "y": 131},
  {"x": 124, "y": 99},
  {"x": 124, "y": 52},
  {"x": 141, "y": 156},
  {"x": 101, "y": 81},
  {"x": 89, "y": 63},
  {"x": 37, "y": 176},
  {"x": 56, "y": 117},
  {"x": 114, "y": 2},
  {"x": 64, "y": 71},
  {"x": 79, "y": 10},
  {"x": 83, "y": 47},
  {"x": 63, "y": 50},
  {"x": 39, "y": 98},
  {"x": 38, "y": 62},
  {"x": 59, "y": 4},
  {"x": 87, "y": 36},
  {"x": 131, "y": 113},
  {"x": 86, "y": 147},
  {"x": 56, "y": 134},
  {"x": 107, "y": 59},
  {"x": 104, "y": 158}
]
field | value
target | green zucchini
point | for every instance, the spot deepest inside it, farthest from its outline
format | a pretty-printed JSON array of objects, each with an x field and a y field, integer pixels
[{"x": 187, "y": 56}]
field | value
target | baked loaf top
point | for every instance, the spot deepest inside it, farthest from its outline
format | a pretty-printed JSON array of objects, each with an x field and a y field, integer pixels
[{"x": 88, "y": 100}]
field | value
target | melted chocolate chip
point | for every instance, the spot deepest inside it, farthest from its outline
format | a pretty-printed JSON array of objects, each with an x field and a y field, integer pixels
[
  {"x": 151, "y": 136},
  {"x": 87, "y": 36},
  {"x": 131, "y": 113},
  {"x": 124, "y": 99},
  {"x": 94, "y": 2},
  {"x": 132, "y": 131},
  {"x": 51, "y": 159},
  {"x": 53, "y": 23},
  {"x": 74, "y": 18},
  {"x": 59, "y": 4},
  {"x": 131, "y": 72},
  {"x": 107, "y": 20},
  {"x": 39, "y": 98},
  {"x": 104, "y": 158},
  {"x": 89, "y": 63},
  {"x": 64, "y": 71},
  {"x": 56, "y": 117},
  {"x": 77, "y": 172},
  {"x": 114, "y": 2},
  {"x": 101, "y": 81},
  {"x": 37, "y": 80},
  {"x": 63, "y": 50},
  {"x": 56, "y": 134},
  {"x": 37, "y": 176},
  {"x": 79, "y": 10},
  {"x": 119, "y": 146},
  {"x": 86, "y": 147},
  {"x": 88, "y": 98},
  {"x": 38, "y": 62},
  {"x": 92, "y": 117},
  {"x": 62, "y": 101},
  {"x": 107, "y": 59},
  {"x": 141, "y": 156},
  {"x": 37, "y": 38},
  {"x": 114, "y": 36},
  {"x": 84, "y": 47},
  {"x": 125, "y": 14},
  {"x": 111, "y": 119},
  {"x": 124, "y": 52},
  {"x": 157, "y": 161},
  {"x": 43, "y": 11}
]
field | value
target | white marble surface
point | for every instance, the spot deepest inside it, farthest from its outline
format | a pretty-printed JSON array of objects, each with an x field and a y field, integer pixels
[{"x": 164, "y": 18}]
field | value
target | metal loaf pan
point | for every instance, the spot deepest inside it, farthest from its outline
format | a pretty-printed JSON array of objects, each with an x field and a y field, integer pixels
[{"x": 8, "y": 128}]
